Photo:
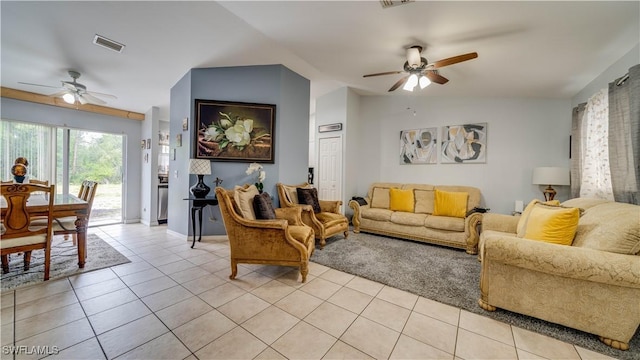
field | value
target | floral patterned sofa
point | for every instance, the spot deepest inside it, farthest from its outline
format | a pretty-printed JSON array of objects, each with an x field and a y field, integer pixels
[{"x": 591, "y": 284}]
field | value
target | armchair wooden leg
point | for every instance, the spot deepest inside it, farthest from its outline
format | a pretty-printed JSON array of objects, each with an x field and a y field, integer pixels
[
  {"x": 234, "y": 269},
  {"x": 27, "y": 259},
  {"x": 346, "y": 233},
  {"x": 5, "y": 264},
  {"x": 304, "y": 270},
  {"x": 323, "y": 242}
]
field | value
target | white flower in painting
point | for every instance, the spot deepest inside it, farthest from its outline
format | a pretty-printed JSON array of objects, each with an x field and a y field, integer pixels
[
  {"x": 239, "y": 134},
  {"x": 213, "y": 134}
]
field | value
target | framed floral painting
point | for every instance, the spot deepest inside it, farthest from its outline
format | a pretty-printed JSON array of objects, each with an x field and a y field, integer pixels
[{"x": 234, "y": 131}]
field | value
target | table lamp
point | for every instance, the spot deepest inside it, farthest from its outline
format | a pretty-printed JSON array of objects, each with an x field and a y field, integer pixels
[
  {"x": 201, "y": 168},
  {"x": 550, "y": 176}
]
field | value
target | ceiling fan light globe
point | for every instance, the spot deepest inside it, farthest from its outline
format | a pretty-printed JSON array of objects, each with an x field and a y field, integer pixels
[
  {"x": 411, "y": 82},
  {"x": 424, "y": 82},
  {"x": 69, "y": 98}
]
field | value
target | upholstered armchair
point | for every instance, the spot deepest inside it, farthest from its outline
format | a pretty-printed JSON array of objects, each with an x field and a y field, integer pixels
[
  {"x": 285, "y": 240},
  {"x": 326, "y": 220}
]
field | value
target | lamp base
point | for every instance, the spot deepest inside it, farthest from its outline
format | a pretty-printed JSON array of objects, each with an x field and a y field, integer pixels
[
  {"x": 200, "y": 190},
  {"x": 549, "y": 193}
]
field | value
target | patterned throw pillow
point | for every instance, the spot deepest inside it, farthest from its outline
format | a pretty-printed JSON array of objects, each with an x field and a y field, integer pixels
[
  {"x": 309, "y": 197},
  {"x": 263, "y": 207}
]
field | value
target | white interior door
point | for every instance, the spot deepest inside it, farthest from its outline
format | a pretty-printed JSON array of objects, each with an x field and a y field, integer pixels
[{"x": 330, "y": 168}]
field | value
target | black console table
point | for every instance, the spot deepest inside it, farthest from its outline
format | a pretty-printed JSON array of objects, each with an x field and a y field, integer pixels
[{"x": 197, "y": 204}]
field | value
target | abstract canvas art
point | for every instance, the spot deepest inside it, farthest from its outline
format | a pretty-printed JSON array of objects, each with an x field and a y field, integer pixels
[
  {"x": 418, "y": 146},
  {"x": 464, "y": 144}
]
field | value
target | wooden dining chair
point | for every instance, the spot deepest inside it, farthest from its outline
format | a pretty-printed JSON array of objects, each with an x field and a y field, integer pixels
[
  {"x": 31, "y": 181},
  {"x": 17, "y": 233},
  {"x": 67, "y": 225}
]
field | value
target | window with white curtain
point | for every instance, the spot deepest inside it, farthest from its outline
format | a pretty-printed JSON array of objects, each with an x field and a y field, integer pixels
[
  {"x": 32, "y": 141},
  {"x": 596, "y": 174}
]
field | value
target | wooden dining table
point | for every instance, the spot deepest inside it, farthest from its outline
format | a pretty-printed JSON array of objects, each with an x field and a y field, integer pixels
[{"x": 64, "y": 205}]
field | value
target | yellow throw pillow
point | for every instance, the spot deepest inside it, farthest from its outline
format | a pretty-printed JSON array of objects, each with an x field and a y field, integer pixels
[
  {"x": 555, "y": 225},
  {"x": 450, "y": 203},
  {"x": 522, "y": 222},
  {"x": 401, "y": 200}
]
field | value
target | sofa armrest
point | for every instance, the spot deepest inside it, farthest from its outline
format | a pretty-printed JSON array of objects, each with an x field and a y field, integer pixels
[
  {"x": 357, "y": 214},
  {"x": 500, "y": 222},
  {"x": 332, "y": 206},
  {"x": 561, "y": 260}
]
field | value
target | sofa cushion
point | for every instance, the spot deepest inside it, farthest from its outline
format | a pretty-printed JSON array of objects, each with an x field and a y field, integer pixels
[
  {"x": 553, "y": 224},
  {"x": 329, "y": 219},
  {"x": 401, "y": 200},
  {"x": 449, "y": 203},
  {"x": 445, "y": 223},
  {"x": 377, "y": 214},
  {"x": 380, "y": 198},
  {"x": 243, "y": 197},
  {"x": 612, "y": 227},
  {"x": 407, "y": 218},
  {"x": 424, "y": 201},
  {"x": 309, "y": 196},
  {"x": 263, "y": 207}
]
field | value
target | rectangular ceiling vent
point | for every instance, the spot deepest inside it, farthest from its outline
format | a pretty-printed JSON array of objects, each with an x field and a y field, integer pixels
[
  {"x": 389, "y": 3},
  {"x": 108, "y": 43}
]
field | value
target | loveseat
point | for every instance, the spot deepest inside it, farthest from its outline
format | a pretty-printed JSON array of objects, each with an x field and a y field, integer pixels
[
  {"x": 421, "y": 217},
  {"x": 591, "y": 283}
]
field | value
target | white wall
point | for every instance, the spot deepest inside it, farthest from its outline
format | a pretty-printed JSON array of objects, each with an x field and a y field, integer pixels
[
  {"x": 522, "y": 134},
  {"x": 613, "y": 72}
]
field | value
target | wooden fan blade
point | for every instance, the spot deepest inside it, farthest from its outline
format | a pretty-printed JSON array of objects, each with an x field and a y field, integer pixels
[
  {"x": 399, "y": 83},
  {"x": 384, "y": 73},
  {"x": 435, "y": 77},
  {"x": 452, "y": 60}
]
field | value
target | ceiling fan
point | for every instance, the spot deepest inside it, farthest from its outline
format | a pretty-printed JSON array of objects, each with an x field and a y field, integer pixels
[
  {"x": 73, "y": 91},
  {"x": 420, "y": 71}
]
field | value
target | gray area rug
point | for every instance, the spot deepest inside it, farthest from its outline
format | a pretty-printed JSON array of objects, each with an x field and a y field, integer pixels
[
  {"x": 64, "y": 262},
  {"x": 442, "y": 274}
]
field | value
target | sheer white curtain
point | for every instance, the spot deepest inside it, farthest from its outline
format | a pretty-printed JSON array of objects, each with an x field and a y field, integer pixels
[{"x": 596, "y": 175}]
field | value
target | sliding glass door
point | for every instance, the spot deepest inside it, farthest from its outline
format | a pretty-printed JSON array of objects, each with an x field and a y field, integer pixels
[
  {"x": 95, "y": 156},
  {"x": 66, "y": 157}
]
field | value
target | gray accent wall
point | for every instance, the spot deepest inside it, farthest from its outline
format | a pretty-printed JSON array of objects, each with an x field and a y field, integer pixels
[{"x": 268, "y": 84}]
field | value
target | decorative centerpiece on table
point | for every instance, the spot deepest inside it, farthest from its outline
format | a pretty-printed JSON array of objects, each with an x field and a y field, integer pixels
[
  {"x": 19, "y": 169},
  {"x": 253, "y": 167}
]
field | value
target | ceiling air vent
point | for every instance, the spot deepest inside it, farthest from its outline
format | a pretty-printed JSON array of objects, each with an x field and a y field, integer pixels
[
  {"x": 107, "y": 43},
  {"x": 389, "y": 3}
]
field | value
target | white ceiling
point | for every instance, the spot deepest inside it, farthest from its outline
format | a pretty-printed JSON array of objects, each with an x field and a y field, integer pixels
[{"x": 526, "y": 49}]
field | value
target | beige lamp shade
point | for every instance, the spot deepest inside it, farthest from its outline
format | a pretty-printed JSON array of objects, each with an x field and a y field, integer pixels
[
  {"x": 199, "y": 167},
  {"x": 550, "y": 176}
]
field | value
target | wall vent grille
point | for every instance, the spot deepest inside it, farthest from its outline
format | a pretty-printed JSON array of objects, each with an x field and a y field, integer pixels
[
  {"x": 389, "y": 3},
  {"x": 107, "y": 43}
]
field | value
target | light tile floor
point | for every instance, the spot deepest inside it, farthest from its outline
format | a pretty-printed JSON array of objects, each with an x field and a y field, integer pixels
[{"x": 174, "y": 302}]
